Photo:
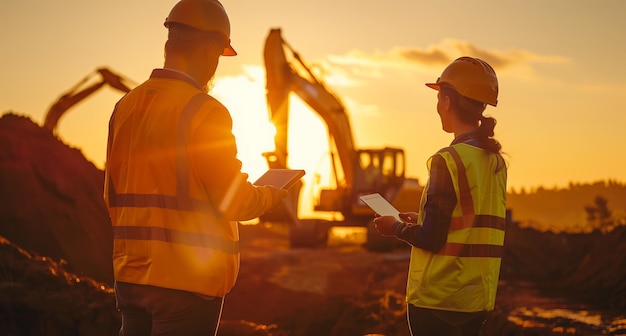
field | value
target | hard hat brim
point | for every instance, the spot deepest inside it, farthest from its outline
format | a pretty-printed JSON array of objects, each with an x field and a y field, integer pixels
[
  {"x": 433, "y": 86},
  {"x": 229, "y": 51}
]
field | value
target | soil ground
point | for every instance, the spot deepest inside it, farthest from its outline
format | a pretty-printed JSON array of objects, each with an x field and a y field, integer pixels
[
  {"x": 343, "y": 289},
  {"x": 340, "y": 289}
]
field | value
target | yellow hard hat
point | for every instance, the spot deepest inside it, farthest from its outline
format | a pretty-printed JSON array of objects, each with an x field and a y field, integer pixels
[
  {"x": 472, "y": 78},
  {"x": 204, "y": 15}
]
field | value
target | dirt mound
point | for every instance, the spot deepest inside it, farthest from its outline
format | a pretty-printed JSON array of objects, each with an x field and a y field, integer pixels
[
  {"x": 52, "y": 199},
  {"x": 587, "y": 268},
  {"x": 39, "y": 297}
]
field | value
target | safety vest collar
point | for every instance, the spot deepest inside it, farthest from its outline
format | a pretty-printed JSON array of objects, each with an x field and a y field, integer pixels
[
  {"x": 175, "y": 74},
  {"x": 469, "y": 138}
]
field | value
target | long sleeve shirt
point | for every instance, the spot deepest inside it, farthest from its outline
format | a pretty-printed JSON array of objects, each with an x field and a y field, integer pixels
[{"x": 440, "y": 202}]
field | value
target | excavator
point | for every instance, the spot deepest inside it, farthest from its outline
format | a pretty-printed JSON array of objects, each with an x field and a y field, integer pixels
[
  {"x": 77, "y": 93},
  {"x": 356, "y": 171}
]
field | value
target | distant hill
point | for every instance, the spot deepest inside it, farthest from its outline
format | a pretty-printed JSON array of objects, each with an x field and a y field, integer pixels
[
  {"x": 563, "y": 209},
  {"x": 51, "y": 199}
]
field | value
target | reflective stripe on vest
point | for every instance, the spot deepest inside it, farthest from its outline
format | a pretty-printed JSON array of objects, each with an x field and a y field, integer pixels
[
  {"x": 180, "y": 202},
  {"x": 470, "y": 220},
  {"x": 175, "y": 237},
  {"x": 476, "y": 250}
]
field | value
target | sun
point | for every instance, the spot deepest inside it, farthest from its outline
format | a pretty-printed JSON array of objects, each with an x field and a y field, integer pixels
[{"x": 308, "y": 148}]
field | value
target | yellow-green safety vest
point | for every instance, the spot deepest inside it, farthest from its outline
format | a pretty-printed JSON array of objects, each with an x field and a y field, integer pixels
[{"x": 463, "y": 275}]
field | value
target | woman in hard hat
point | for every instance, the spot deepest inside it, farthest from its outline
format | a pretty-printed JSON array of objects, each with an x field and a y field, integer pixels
[
  {"x": 174, "y": 186},
  {"x": 457, "y": 237}
]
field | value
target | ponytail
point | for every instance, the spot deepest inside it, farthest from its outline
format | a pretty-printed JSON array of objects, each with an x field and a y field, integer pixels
[{"x": 485, "y": 134}]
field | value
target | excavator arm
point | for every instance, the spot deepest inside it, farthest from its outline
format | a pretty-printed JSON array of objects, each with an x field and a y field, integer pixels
[
  {"x": 363, "y": 171},
  {"x": 77, "y": 94},
  {"x": 284, "y": 77}
]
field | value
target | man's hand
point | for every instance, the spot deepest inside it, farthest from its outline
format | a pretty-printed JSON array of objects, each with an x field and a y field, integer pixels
[
  {"x": 385, "y": 225},
  {"x": 278, "y": 195}
]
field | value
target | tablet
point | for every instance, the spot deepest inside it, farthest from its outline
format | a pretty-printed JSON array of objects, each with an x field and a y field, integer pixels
[
  {"x": 281, "y": 178},
  {"x": 380, "y": 205}
]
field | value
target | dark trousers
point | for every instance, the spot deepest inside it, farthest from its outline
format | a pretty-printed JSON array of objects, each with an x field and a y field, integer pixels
[
  {"x": 431, "y": 322},
  {"x": 151, "y": 311}
]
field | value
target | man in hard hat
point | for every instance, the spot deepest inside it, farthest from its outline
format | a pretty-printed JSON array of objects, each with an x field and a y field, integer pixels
[
  {"x": 457, "y": 237},
  {"x": 174, "y": 186}
]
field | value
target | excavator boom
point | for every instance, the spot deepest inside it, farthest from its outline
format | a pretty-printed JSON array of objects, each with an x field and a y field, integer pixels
[
  {"x": 284, "y": 77},
  {"x": 77, "y": 94}
]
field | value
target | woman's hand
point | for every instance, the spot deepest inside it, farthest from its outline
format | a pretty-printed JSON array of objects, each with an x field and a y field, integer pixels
[
  {"x": 409, "y": 217},
  {"x": 385, "y": 225}
]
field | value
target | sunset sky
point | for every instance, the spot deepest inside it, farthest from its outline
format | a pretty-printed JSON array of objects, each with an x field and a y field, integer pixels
[{"x": 560, "y": 63}]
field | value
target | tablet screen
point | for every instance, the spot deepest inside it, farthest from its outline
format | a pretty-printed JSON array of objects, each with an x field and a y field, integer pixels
[
  {"x": 380, "y": 205},
  {"x": 281, "y": 178}
]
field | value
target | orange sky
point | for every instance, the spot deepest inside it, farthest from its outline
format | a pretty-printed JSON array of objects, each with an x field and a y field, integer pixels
[{"x": 561, "y": 110}]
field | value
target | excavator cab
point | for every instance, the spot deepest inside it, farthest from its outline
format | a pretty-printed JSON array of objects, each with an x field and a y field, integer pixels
[
  {"x": 377, "y": 171},
  {"x": 380, "y": 170}
]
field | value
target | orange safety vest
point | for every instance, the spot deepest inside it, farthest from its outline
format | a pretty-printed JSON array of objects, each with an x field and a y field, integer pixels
[
  {"x": 463, "y": 275},
  {"x": 167, "y": 232}
]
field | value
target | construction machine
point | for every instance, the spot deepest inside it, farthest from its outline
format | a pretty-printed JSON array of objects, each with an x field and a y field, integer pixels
[
  {"x": 77, "y": 93},
  {"x": 356, "y": 171}
]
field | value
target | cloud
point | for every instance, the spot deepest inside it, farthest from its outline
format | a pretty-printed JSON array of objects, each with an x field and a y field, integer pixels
[
  {"x": 448, "y": 50},
  {"x": 437, "y": 56},
  {"x": 434, "y": 56},
  {"x": 503, "y": 59}
]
